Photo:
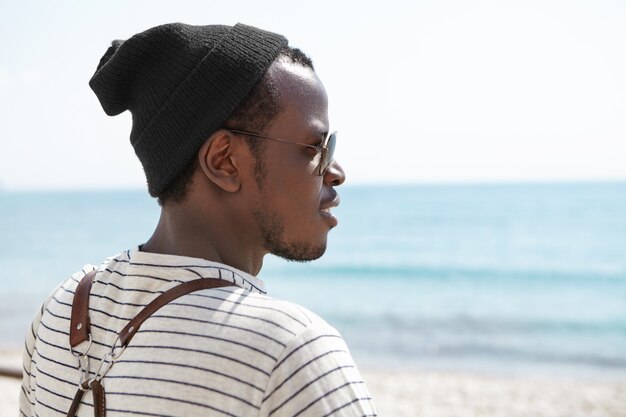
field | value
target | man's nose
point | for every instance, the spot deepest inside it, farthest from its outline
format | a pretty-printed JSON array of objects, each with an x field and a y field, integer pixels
[{"x": 335, "y": 175}]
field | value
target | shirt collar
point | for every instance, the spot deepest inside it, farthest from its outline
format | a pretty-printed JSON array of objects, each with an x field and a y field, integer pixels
[{"x": 199, "y": 268}]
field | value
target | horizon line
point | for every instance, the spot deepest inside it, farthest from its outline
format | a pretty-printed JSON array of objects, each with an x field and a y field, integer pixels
[{"x": 358, "y": 184}]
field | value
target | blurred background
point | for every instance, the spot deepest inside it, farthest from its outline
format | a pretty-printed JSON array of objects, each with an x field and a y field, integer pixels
[{"x": 483, "y": 223}]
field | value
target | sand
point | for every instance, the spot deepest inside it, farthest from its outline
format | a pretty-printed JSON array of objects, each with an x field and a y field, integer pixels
[{"x": 438, "y": 394}]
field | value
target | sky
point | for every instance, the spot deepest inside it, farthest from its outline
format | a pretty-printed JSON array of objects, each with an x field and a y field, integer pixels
[{"x": 420, "y": 91}]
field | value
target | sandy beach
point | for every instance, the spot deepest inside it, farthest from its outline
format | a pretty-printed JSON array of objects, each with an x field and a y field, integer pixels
[{"x": 438, "y": 394}]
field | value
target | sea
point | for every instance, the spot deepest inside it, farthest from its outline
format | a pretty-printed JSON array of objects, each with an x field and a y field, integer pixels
[{"x": 512, "y": 278}]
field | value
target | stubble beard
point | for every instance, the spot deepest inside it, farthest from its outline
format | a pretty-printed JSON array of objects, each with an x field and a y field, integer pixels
[
  {"x": 272, "y": 232},
  {"x": 272, "y": 228}
]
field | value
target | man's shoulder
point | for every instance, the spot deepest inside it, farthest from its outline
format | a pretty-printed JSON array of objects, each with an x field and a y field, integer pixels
[
  {"x": 299, "y": 314},
  {"x": 263, "y": 315},
  {"x": 103, "y": 266},
  {"x": 268, "y": 315}
]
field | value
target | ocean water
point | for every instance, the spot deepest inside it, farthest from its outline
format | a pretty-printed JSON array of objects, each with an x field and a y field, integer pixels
[{"x": 509, "y": 278}]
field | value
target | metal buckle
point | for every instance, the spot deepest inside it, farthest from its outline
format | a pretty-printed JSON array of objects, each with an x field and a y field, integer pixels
[
  {"x": 83, "y": 368},
  {"x": 107, "y": 361},
  {"x": 78, "y": 354}
]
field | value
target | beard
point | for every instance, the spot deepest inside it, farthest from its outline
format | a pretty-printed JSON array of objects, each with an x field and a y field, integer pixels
[{"x": 272, "y": 232}]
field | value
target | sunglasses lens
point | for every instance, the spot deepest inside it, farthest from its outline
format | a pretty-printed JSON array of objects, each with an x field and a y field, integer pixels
[{"x": 327, "y": 156}]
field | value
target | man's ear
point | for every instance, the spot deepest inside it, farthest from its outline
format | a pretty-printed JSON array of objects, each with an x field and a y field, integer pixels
[{"x": 219, "y": 160}]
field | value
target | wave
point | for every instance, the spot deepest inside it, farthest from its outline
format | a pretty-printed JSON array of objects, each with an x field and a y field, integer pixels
[
  {"x": 511, "y": 355},
  {"x": 481, "y": 325},
  {"x": 509, "y": 343},
  {"x": 456, "y": 272}
]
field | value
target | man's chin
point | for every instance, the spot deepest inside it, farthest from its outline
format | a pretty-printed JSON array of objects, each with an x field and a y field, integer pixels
[{"x": 298, "y": 252}]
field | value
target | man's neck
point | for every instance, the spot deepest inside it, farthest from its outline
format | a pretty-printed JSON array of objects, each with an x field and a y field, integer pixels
[{"x": 180, "y": 233}]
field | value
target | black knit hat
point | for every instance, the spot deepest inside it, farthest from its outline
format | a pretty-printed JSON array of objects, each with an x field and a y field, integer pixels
[{"x": 180, "y": 82}]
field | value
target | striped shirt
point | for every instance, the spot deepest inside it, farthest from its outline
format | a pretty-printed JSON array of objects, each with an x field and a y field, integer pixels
[{"x": 229, "y": 351}]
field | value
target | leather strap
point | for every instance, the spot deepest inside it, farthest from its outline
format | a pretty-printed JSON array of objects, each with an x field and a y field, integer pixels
[
  {"x": 80, "y": 392},
  {"x": 99, "y": 403},
  {"x": 80, "y": 327},
  {"x": 79, "y": 322},
  {"x": 133, "y": 325}
]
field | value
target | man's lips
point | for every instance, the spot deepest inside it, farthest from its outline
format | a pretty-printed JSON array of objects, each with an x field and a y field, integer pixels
[
  {"x": 325, "y": 210},
  {"x": 328, "y": 204}
]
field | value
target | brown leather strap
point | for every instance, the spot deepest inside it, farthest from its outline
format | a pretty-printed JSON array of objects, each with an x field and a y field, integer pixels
[
  {"x": 80, "y": 327},
  {"x": 99, "y": 403},
  {"x": 131, "y": 328},
  {"x": 79, "y": 322},
  {"x": 80, "y": 392}
]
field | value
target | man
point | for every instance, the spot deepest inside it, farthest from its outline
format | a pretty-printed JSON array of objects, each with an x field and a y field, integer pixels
[{"x": 231, "y": 127}]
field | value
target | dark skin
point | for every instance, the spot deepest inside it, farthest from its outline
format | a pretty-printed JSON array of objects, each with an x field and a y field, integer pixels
[{"x": 231, "y": 218}]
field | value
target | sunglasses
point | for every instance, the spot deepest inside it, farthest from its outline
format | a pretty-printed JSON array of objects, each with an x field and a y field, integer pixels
[{"x": 327, "y": 149}]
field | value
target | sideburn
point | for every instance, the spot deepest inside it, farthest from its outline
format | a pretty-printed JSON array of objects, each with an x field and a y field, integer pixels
[{"x": 257, "y": 150}]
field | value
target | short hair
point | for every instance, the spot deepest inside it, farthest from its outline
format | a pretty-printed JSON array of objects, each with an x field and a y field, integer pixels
[{"x": 253, "y": 114}]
